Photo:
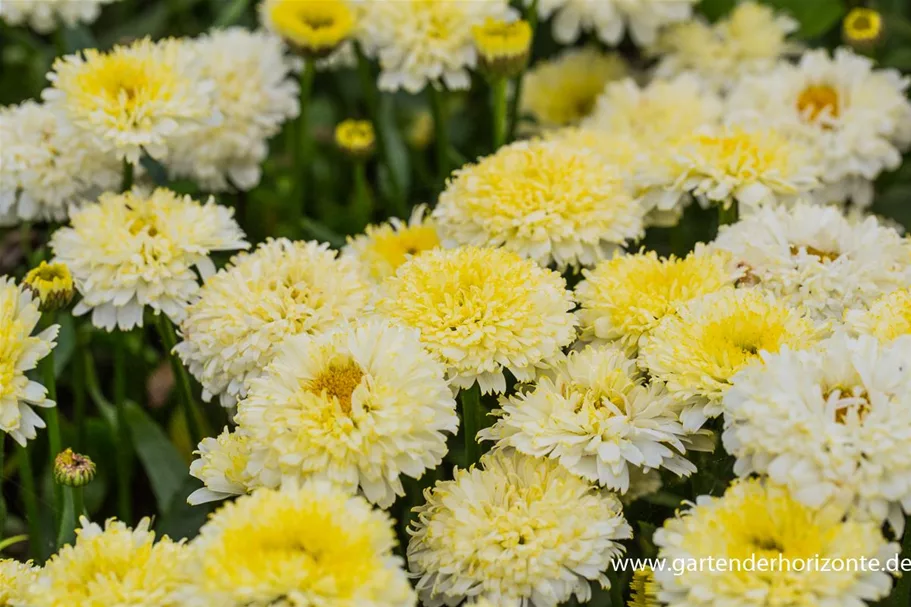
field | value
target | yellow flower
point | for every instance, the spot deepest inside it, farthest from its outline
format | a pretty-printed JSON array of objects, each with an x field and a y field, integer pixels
[
  {"x": 887, "y": 318},
  {"x": 643, "y": 589},
  {"x": 133, "y": 99},
  {"x": 579, "y": 75},
  {"x": 482, "y": 312},
  {"x": 626, "y": 297},
  {"x": 15, "y": 579},
  {"x": 502, "y": 47},
  {"x": 382, "y": 248},
  {"x": 699, "y": 349},
  {"x": 113, "y": 566},
  {"x": 757, "y": 521},
  {"x": 862, "y": 26},
  {"x": 355, "y": 137},
  {"x": 52, "y": 284},
  {"x": 315, "y": 544},
  {"x": 315, "y": 27}
]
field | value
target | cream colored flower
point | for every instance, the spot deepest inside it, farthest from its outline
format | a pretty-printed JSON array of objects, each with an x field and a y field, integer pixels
[
  {"x": 246, "y": 310},
  {"x": 222, "y": 467},
  {"x": 517, "y": 531},
  {"x": 482, "y": 312},
  {"x": 133, "y": 250},
  {"x": 382, "y": 248},
  {"x": 887, "y": 318},
  {"x": 45, "y": 16},
  {"x": 15, "y": 579}
]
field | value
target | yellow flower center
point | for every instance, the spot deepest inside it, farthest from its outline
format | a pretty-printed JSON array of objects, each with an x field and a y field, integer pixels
[
  {"x": 851, "y": 399},
  {"x": 317, "y": 26},
  {"x": 862, "y": 25},
  {"x": 125, "y": 81},
  {"x": 813, "y": 251},
  {"x": 395, "y": 248},
  {"x": 338, "y": 381},
  {"x": 816, "y": 100},
  {"x": 355, "y": 136}
]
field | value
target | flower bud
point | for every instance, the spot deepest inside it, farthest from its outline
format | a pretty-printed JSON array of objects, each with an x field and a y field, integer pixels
[
  {"x": 503, "y": 48},
  {"x": 862, "y": 28},
  {"x": 356, "y": 138},
  {"x": 51, "y": 284},
  {"x": 72, "y": 469},
  {"x": 314, "y": 28}
]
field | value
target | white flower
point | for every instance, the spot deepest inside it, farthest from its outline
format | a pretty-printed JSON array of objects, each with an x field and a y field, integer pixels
[
  {"x": 815, "y": 258},
  {"x": 519, "y": 531},
  {"x": 221, "y": 465},
  {"x": 255, "y": 93},
  {"x": 44, "y": 16},
  {"x": 45, "y": 169},
  {"x": 132, "y": 250},
  {"x": 857, "y": 118},
  {"x": 832, "y": 423},
  {"x": 598, "y": 417},
  {"x": 359, "y": 406}
]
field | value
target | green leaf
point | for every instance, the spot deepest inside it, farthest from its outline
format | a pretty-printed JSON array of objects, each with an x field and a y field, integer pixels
[
  {"x": 816, "y": 17},
  {"x": 715, "y": 9},
  {"x": 183, "y": 520},
  {"x": 160, "y": 460},
  {"x": 899, "y": 58}
]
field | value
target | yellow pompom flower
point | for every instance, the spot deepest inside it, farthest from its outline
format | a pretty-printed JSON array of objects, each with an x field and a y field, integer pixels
[
  {"x": 52, "y": 284},
  {"x": 112, "y": 566},
  {"x": 545, "y": 200},
  {"x": 132, "y": 99},
  {"x": 579, "y": 75},
  {"x": 503, "y": 47},
  {"x": 314, "y": 27},
  {"x": 887, "y": 318},
  {"x": 763, "y": 521},
  {"x": 314, "y": 545},
  {"x": 355, "y": 137},
  {"x": 20, "y": 352},
  {"x": 643, "y": 589},
  {"x": 699, "y": 349},
  {"x": 623, "y": 299},
  {"x": 382, "y": 248},
  {"x": 15, "y": 579},
  {"x": 482, "y": 312},
  {"x": 518, "y": 530}
]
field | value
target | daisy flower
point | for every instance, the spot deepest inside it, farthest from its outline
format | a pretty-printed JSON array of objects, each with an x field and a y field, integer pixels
[
  {"x": 115, "y": 565},
  {"x": 132, "y": 99},
  {"x": 596, "y": 416},
  {"x": 815, "y": 258},
  {"x": 516, "y": 531},
  {"x": 247, "y": 309},
  {"x": 15, "y": 579},
  {"x": 46, "y": 168},
  {"x": 580, "y": 75},
  {"x": 45, "y": 16},
  {"x": 545, "y": 200},
  {"x": 832, "y": 423},
  {"x": 315, "y": 545},
  {"x": 20, "y": 352},
  {"x": 887, "y": 318},
  {"x": 382, "y": 248},
  {"x": 359, "y": 406},
  {"x": 255, "y": 93},
  {"x": 857, "y": 118},
  {"x": 133, "y": 250},
  {"x": 482, "y": 312},
  {"x": 623, "y": 299},
  {"x": 610, "y": 19},
  {"x": 698, "y": 350},
  {"x": 221, "y": 466},
  {"x": 764, "y": 521},
  {"x": 421, "y": 42}
]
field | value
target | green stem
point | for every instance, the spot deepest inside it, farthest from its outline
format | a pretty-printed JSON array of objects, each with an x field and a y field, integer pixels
[
  {"x": 531, "y": 15},
  {"x": 52, "y": 418},
  {"x": 901, "y": 593},
  {"x": 368, "y": 84},
  {"x": 79, "y": 395},
  {"x": 30, "y": 499},
  {"x": 472, "y": 418},
  {"x": 302, "y": 144},
  {"x": 182, "y": 378},
  {"x": 728, "y": 215},
  {"x": 127, "y": 180},
  {"x": 441, "y": 130},
  {"x": 362, "y": 203},
  {"x": 124, "y": 505},
  {"x": 498, "y": 102}
]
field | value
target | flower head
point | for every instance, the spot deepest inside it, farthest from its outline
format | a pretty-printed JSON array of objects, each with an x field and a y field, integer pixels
[
  {"x": 316, "y": 544},
  {"x": 643, "y": 589},
  {"x": 830, "y": 423},
  {"x": 112, "y": 566},
  {"x": 698, "y": 350},
  {"x": 73, "y": 469},
  {"x": 246, "y": 310},
  {"x": 46, "y": 16},
  {"x": 20, "y": 352},
  {"x": 355, "y": 137},
  {"x": 887, "y": 318},
  {"x": 382, "y": 248},
  {"x": 135, "y": 249},
  {"x": 764, "y": 521},
  {"x": 221, "y": 466},
  {"x": 545, "y": 200},
  {"x": 862, "y": 27},
  {"x": 15, "y": 579},
  {"x": 132, "y": 99},
  {"x": 623, "y": 299},
  {"x": 517, "y": 531},
  {"x": 51, "y": 284},
  {"x": 359, "y": 406},
  {"x": 313, "y": 27},
  {"x": 579, "y": 74},
  {"x": 482, "y": 312},
  {"x": 596, "y": 415},
  {"x": 421, "y": 42},
  {"x": 503, "y": 47}
]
